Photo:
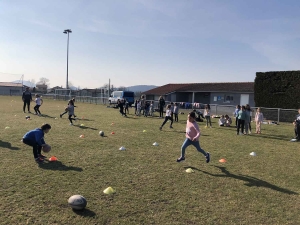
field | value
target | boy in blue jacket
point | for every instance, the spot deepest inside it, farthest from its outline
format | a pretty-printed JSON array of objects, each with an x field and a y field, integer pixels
[{"x": 35, "y": 139}]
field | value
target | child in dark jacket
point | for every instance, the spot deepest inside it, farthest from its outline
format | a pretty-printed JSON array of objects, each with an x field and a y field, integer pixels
[{"x": 35, "y": 139}]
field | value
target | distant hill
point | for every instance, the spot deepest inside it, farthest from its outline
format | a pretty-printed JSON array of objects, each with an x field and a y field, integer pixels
[{"x": 141, "y": 88}]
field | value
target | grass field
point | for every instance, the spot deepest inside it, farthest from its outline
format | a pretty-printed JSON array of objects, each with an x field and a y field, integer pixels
[{"x": 151, "y": 188}]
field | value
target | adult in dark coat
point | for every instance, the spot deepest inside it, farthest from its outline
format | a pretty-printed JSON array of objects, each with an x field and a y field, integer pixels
[
  {"x": 161, "y": 105},
  {"x": 27, "y": 98}
]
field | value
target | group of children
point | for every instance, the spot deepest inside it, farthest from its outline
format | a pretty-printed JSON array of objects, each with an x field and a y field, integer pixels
[
  {"x": 35, "y": 138},
  {"x": 243, "y": 119}
]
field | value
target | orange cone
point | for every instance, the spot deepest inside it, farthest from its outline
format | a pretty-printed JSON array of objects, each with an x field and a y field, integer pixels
[
  {"x": 52, "y": 159},
  {"x": 112, "y": 132},
  {"x": 81, "y": 136},
  {"x": 222, "y": 160},
  {"x": 112, "y": 124}
]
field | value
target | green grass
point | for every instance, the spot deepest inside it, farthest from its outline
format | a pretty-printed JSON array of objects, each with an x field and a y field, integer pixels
[{"x": 151, "y": 188}]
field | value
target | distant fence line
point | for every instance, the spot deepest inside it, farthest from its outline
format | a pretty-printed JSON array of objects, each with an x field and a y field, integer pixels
[{"x": 270, "y": 114}]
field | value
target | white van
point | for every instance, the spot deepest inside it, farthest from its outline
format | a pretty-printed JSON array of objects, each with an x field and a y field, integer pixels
[{"x": 116, "y": 95}]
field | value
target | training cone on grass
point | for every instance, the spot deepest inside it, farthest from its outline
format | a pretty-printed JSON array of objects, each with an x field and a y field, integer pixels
[
  {"x": 109, "y": 191},
  {"x": 82, "y": 125},
  {"x": 52, "y": 159},
  {"x": 144, "y": 131},
  {"x": 189, "y": 170},
  {"x": 7, "y": 127},
  {"x": 253, "y": 154},
  {"x": 155, "y": 144},
  {"x": 122, "y": 148},
  {"x": 112, "y": 132},
  {"x": 81, "y": 136},
  {"x": 112, "y": 124},
  {"x": 222, "y": 160}
]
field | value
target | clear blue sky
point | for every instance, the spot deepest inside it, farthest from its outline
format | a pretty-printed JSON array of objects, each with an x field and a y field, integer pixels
[{"x": 156, "y": 42}]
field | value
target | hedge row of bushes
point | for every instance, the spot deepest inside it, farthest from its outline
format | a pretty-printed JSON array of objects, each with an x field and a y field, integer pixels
[{"x": 279, "y": 89}]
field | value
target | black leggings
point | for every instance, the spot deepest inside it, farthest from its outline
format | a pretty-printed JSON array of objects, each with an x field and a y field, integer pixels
[
  {"x": 297, "y": 132},
  {"x": 176, "y": 117},
  {"x": 241, "y": 123},
  {"x": 161, "y": 111},
  {"x": 26, "y": 102},
  {"x": 166, "y": 119},
  {"x": 36, "y": 148},
  {"x": 70, "y": 118},
  {"x": 36, "y": 109}
]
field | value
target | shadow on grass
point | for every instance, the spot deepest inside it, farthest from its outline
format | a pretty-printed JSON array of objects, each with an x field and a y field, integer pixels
[
  {"x": 250, "y": 181},
  {"x": 84, "y": 212},
  {"x": 85, "y": 127},
  {"x": 85, "y": 120},
  {"x": 5, "y": 144},
  {"x": 57, "y": 165},
  {"x": 47, "y": 116}
]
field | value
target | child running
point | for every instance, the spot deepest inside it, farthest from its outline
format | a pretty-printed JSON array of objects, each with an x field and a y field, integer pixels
[
  {"x": 168, "y": 117},
  {"x": 38, "y": 102},
  {"x": 192, "y": 138},
  {"x": 73, "y": 99},
  {"x": 70, "y": 110},
  {"x": 35, "y": 139}
]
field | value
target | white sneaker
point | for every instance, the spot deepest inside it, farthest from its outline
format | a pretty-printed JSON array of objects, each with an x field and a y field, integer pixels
[{"x": 71, "y": 124}]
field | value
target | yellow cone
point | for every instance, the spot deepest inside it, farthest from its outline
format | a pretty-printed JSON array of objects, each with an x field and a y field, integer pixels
[
  {"x": 82, "y": 125},
  {"x": 144, "y": 131},
  {"x": 189, "y": 170},
  {"x": 109, "y": 191}
]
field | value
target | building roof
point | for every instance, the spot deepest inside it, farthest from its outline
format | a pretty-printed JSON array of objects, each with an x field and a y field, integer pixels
[
  {"x": 10, "y": 84},
  {"x": 165, "y": 89},
  {"x": 203, "y": 87}
]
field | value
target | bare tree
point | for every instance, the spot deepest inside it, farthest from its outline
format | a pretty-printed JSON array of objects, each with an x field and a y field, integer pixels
[
  {"x": 70, "y": 84},
  {"x": 44, "y": 81}
]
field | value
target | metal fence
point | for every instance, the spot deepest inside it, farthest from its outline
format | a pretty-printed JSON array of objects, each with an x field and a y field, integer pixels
[{"x": 270, "y": 114}]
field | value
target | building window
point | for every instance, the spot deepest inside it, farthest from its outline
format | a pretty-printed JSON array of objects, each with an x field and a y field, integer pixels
[{"x": 228, "y": 98}]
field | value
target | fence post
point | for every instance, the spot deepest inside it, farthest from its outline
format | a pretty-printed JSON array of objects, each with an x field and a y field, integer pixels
[
  {"x": 216, "y": 109},
  {"x": 278, "y": 115}
]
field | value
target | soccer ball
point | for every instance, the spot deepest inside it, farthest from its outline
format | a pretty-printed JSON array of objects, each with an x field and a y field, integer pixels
[
  {"x": 101, "y": 133},
  {"x": 46, "y": 148}
]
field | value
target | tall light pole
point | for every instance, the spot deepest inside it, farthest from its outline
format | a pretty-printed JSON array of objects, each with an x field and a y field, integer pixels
[{"x": 67, "y": 31}]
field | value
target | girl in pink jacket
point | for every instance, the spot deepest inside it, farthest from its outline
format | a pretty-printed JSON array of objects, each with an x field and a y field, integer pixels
[{"x": 192, "y": 138}]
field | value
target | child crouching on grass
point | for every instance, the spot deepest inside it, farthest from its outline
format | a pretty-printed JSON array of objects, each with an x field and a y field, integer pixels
[
  {"x": 35, "y": 139},
  {"x": 192, "y": 138}
]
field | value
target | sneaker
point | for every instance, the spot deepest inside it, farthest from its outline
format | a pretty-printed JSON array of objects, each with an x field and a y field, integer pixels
[
  {"x": 71, "y": 124},
  {"x": 171, "y": 127},
  {"x": 29, "y": 112},
  {"x": 24, "y": 112},
  {"x": 42, "y": 156},
  {"x": 160, "y": 128},
  {"x": 39, "y": 160},
  {"x": 207, "y": 157},
  {"x": 60, "y": 116},
  {"x": 180, "y": 159}
]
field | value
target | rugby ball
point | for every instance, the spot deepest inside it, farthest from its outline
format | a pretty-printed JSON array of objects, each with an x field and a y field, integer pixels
[
  {"x": 77, "y": 202},
  {"x": 101, "y": 133},
  {"x": 46, "y": 148}
]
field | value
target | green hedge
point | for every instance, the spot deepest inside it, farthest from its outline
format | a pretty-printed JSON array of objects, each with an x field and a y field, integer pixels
[{"x": 279, "y": 89}]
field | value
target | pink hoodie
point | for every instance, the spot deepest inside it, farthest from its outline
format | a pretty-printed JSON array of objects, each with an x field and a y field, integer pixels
[{"x": 192, "y": 130}]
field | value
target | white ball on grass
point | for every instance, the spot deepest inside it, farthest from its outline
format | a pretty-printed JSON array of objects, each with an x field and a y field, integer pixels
[
  {"x": 101, "y": 133},
  {"x": 77, "y": 202}
]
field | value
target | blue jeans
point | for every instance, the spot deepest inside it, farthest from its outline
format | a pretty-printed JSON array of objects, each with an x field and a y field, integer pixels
[{"x": 187, "y": 143}]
